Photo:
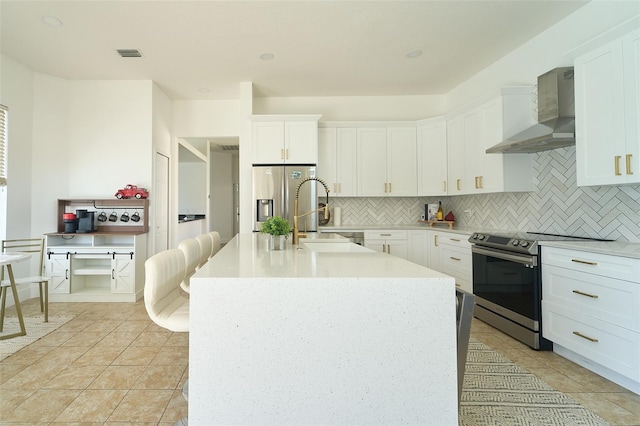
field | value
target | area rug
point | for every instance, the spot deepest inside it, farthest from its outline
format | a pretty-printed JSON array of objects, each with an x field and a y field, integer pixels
[
  {"x": 36, "y": 329},
  {"x": 498, "y": 392}
]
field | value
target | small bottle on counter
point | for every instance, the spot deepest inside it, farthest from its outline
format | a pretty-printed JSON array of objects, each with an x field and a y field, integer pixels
[{"x": 440, "y": 214}]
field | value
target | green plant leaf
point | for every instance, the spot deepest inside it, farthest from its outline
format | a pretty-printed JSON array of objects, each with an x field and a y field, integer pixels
[{"x": 276, "y": 225}]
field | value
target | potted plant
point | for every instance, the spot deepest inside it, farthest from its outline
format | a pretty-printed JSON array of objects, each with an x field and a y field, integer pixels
[{"x": 279, "y": 229}]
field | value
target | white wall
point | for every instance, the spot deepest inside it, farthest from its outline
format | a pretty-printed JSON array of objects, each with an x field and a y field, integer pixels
[
  {"x": 206, "y": 118},
  {"x": 550, "y": 49},
  {"x": 162, "y": 142},
  {"x": 192, "y": 191},
  {"x": 355, "y": 108},
  {"x": 17, "y": 94}
]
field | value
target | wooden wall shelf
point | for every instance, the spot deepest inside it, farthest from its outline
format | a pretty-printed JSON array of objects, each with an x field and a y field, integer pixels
[{"x": 129, "y": 205}]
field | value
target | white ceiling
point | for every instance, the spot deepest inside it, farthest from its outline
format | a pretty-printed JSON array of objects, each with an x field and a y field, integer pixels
[{"x": 321, "y": 48}]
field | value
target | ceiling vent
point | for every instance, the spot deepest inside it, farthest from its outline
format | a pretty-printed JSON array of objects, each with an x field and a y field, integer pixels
[
  {"x": 130, "y": 53},
  {"x": 229, "y": 147}
]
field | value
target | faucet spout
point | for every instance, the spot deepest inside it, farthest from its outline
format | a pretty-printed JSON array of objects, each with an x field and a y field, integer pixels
[{"x": 296, "y": 230}]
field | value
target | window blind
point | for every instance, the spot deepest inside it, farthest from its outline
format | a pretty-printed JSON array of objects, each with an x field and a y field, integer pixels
[{"x": 3, "y": 145}]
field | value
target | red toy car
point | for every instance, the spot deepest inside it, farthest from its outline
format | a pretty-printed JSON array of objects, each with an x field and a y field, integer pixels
[{"x": 132, "y": 191}]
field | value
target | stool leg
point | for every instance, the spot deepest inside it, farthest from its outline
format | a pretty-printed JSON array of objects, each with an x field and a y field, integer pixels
[
  {"x": 3, "y": 296},
  {"x": 46, "y": 300}
]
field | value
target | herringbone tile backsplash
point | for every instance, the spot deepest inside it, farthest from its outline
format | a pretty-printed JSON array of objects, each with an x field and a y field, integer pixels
[{"x": 556, "y": 205}]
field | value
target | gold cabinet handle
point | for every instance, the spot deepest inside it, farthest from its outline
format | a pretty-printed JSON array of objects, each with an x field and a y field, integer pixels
[
  {"x": 584, "y": 262},
  {"x": 435, "y": 240},
  {"x": 444, "y": 186},
  {"x": 458, "y": 184},
  {"x": 388, "y": 249},
  {"x": 476, "y": 182},
  {"x": 340, "y": 187},
  {"x": 334, "y": 187},
  {"x": 454, "y": 258},
  {"x": 282, "y": 154},
  {"x": 454, "y": 239},
  {"x": 591, "y": 339},
  {"x": 581, "y": 293},
  {"x": 390, "y": 190},
  {"x": 286, "y": 154},
  {"x": 481, "y": 182},
  {"x": 629, "y": 172},
  {"x": 616, "y": 165}
]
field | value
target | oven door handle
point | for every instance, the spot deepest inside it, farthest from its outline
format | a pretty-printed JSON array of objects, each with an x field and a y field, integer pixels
[{"x": 523, "y": 259}]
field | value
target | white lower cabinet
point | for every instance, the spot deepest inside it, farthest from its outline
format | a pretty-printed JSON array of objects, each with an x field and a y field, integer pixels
[
  {"x": 418, "y": 247},
  {"x": 96, "y": 267},
  {"x": 392, "y": 242},
  {"x": 450, "y": 253},
  {"x": 591, "y": 311}
]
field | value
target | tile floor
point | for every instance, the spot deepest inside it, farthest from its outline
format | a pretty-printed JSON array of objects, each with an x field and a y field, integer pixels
[{"x": 111, "y": 365}]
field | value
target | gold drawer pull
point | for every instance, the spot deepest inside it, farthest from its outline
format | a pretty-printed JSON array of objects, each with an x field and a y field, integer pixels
[
  {"x": 591, "y": 339},
  {"x": 629, "y": 172},
  {"x": 454, "y": 258},
  {"x": 616, "y": 165},
  {"x": 385, "y": 235},
  {"x": 458, "y": 184},
  {"x": 435, "y": 240},
  {"x": 444, "y": 186},
  {"x": 481, "y": 183},
  {"x": 584, "y": 262},
  {"x": 454, "y": 239},
  {"x": 593, "y": 296}
]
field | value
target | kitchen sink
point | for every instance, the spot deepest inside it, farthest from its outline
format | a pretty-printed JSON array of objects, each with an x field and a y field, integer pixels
[{"x": 336, "y": 247}]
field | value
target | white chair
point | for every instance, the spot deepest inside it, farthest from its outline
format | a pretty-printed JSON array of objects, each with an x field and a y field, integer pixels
[
  {"x": 215, "y": 240},
  {"x": 166, "y": 306},
  {"x": 206, "y": 245},
  {"x": 35, "y": 246},
  {"x": 191, "y": 251}
]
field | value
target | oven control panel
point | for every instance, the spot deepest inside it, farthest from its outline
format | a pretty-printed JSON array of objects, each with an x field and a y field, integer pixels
[{"x": 507, "y": 243}]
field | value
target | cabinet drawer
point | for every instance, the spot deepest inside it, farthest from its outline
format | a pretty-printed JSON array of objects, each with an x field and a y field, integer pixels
[
  {"x": 609, "y": 345},
  {"x": 385, "y": 235},
  {"x": 608, "y": 299},
  {"x": 456, "y": 261},
  {"x": 454, "y": 240},
  {"x": 623, "y": 268}
]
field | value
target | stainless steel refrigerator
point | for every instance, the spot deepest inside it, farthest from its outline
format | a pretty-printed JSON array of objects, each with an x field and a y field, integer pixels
[{"x": 274, "y": 190}]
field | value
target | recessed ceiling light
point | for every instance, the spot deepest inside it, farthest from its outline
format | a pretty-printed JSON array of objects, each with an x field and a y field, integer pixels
[
  {"x": 52, "y": 21},
  {"x": 203, "y": 90},
  {"x": 414, "y": 54},
  {"x": 267, "y": 56}
]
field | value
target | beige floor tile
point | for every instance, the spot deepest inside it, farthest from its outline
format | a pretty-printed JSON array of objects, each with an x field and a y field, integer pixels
[
  {"x": 613, "y": 413},
  {"x": 92, "y": 405},
  {"x": 86, "y": 338},
  {"x": 176, "y": 410},
  {"x": 117, "y": 377},
  {"x": 43, "y": 406},
  {"x": 627, "y": 400},
  {"x": 63, "y": 355},
  {"x": 7, "y": 371},
  {"x": 172, "y": 355},
  {"x": 142, "y": 406},
  {"x": 55, "y": 338},
  {"x": 33, "y": 376},
  {"x": 138, "y": 355},
  {"x": 178, "y": 339},
  {"x": 75, "y": 377},
  {"x": 28, "y": 355},
  {"x": 134, "y": 325},
  {"x": 100, "y": 355},
  {"x": 103, "y": 326},
  {"x": 119, "y": 338},
  {"x": 160, "y": 377},
  {"x": 557, "y": 380},
  {"x": 151, "y": 338},
  {"x": 11, "y": 398}
]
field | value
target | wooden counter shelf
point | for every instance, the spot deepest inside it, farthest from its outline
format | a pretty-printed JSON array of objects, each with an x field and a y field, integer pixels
[
  {"x": 141, "y": 205},
  {"x": 439, "y": 222}
]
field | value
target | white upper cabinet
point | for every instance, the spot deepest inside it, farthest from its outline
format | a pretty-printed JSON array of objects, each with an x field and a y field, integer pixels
[
  {"x": 387, "y": 163},
  {"x": 607, "y": 108},
  {"x": 337, "y": 160},
  {"x": 285, "y": 139},
  {"x": 483, "y": 124},
  {"x": 432, "y": 157}
]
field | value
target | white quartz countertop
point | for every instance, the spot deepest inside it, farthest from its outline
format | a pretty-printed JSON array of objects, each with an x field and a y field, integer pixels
[
  {"x": 248, "y": 255},
  {"x": 417, "y": 226},
  {"x": 615, "y": 248}
]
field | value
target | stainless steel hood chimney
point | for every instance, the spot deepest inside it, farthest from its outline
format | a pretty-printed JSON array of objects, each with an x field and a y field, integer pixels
[{"x": 556, "y": 117}]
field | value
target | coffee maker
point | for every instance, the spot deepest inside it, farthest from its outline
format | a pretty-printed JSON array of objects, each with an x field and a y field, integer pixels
[{"x": 86, "y": 221}]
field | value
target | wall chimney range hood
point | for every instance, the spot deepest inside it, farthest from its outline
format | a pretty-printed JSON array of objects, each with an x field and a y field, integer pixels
[{"x": 556, "y": 117}]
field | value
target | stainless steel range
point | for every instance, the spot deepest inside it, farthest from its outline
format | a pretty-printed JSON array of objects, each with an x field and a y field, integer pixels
[{"x": 507, "y": 283}]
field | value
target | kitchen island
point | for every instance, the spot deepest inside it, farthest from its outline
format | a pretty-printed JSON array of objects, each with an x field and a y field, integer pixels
[{"x": 320, "y": 333}]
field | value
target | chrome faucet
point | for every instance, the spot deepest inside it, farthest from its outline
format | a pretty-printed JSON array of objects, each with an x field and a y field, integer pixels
[{"x": 296, "y": 230}]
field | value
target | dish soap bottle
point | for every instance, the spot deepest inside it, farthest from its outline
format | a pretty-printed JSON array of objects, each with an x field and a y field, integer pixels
[{"x": 440, "y": 214}]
